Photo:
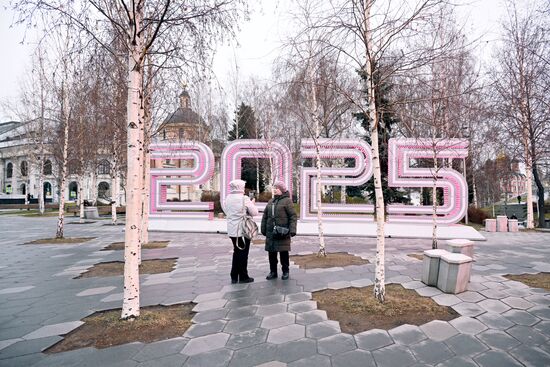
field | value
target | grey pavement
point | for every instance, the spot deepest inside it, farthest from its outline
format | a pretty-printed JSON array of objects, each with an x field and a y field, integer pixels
[{"x": 266, "y": 323}]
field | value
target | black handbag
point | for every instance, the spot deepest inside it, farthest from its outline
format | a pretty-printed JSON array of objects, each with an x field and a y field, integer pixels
[{"x": 279, "y": 232}]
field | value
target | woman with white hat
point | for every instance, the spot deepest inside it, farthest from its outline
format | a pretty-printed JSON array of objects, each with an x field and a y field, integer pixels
[{"x": 237, "y": 205}]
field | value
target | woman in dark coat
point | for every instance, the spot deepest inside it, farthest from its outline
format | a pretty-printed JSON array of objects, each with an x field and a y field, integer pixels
[{"x": 285, "y": 216}]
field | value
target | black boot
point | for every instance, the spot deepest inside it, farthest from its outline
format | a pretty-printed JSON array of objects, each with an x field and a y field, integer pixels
[
  {"x": 271, "y": 275},
  {"x": 246, "y": 280},
  {"x": 285, "y": 276}
]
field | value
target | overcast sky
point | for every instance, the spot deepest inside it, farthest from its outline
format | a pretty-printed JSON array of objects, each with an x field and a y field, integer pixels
[{"x": 259, "y": 42}]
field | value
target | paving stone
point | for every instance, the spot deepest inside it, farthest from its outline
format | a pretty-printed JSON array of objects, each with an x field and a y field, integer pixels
[
  {"x": 160, "y": 349},
  {"x": 310, "y": 317},
  {"x": 475, "y": 287},
  {"x": 22, "y": 361},
  {"x": 253, "y": 355},
  {"x": 468, "y": 325},
  {"x": 247, "y": 338},
  {"x": 527, "y": 335},
  {"x": 205, "y": 344},
  {"x": 392, "y": 356},
  {"x": 493, "y": 293},
  {"x": 322, "y": 329},
  {"x": 458, "y": 362},
  {"x": 295, "y": 350},
  {"x": 7, "y": 343},
  {"x": 531, "y": 356},
  {"x": 428, "y": 291},
  {"x": 521, "y": 317},
  {"x": 354, "y": 358},
  {"x": 302, "y": 306},
  {"x": 269, "y": 310},
  {"x": 211, "y": 315},
  {"x": 15, "y": 289},
  {"x": 361, "y": 283},
  {"x": 493, "y": 305},
  {"x": 272, "y": 364},
  {"x": 276, "y": 321},
  {"x": 215, "y": 358},
  {"x": 336, "y": 344},
  {"x": 210, "y": 305},
  {"x": 516, "y": 302},
  {"x": 55, "y": 329},
  {"x": 174, "y": 360},
  {"x": 495, "y": 321},
  {"x": 447, "y": 299},
  {"x": 373, "y": 339},
  {"x": 431, "y": 352},
  {"x": 95, "y": 291},
  {"x": 298, "y": 297},
  {"x": 541, "y": 312},
  {"x": 270, "y": 300},
  {"x": 28, "y": 346},
  {"x": 208, "y": 297},
  {"x": 286, "y": 333},
  {"x": 244, "y": 324},
  {"x": 317, "y": 361},
  {"x": 539, "y": 299},
  {"x": 498, "y": 339},
  {"x": 413, "y": 285},
  {"x": 494, "y": 358},
  {"x": 206, "y": 328},
  {"x": 465, "y": 345},
  {"x": 468, "y": 309},
  {"x": 407, "y": 334},
  {"x": 242, "y": 312},
  {"x": 111, "y": 356},
  {"x": 438, "y": 330},
  {"x": 543, "y": 327}
]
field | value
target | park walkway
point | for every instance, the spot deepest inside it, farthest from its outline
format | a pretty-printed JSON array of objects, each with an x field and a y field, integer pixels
[{"x": 502, "y": 323}]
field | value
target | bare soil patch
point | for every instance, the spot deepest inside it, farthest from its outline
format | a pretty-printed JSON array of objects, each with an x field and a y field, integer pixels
[
  {"x": 106, "y": 329},
  {"x": 60, "y": 241},
  {"x": 332, "y": 259},
  {"x": 114, "y": 268},
  {"x": 85, "y": 222},
  {"x": 357, "y": 310},
  {"x": 148, "y": 245},
  {"x": 539, "y": 280},
  {"x": 416, "y": 256}
]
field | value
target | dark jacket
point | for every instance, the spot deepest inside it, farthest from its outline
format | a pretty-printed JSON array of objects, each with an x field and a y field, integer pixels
[{"x": 285, "y": 216}]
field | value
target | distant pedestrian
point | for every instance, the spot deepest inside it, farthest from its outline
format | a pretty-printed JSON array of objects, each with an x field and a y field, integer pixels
[
  {"x": 237, "y": 205},
  {"x": 278, "y": 226}
]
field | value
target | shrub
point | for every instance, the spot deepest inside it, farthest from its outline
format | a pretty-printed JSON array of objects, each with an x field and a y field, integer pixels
[
  {"x": 476, "y": 215},
  {"x": 214, "y": 196}
]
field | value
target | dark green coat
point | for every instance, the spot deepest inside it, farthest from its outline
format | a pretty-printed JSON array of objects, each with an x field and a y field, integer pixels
[{"x": 285, "y": 216}]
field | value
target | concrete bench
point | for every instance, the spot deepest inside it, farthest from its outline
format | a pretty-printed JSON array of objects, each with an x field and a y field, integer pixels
[
  {"x": 491, "y": 225},
  {"x": 502, "y": 223},
  {"x": 90, "y": 212},
  {"x": 513, "y": 225},
  {"x": 454, "y": 272},
  {"x": 430, "y": 266},
  {"x": 461, "y": 246}
]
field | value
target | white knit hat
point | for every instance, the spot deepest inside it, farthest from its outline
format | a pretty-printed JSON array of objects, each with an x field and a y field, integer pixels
[
  {"x": 280, "y": 185},
  {"x": 236, "y": 186}
]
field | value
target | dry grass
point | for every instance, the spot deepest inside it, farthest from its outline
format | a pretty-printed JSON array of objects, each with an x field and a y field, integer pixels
[
  {"x": 60, "y": 241},
  {"x": 357, "y": 310},
  {"x": 106, "y": 329},
  {"x": 416, "y": 256},
  {"x": 540, "y": 280},
  {"x": 147, "y": 246},
  {"x": 114, "y": 268},
  {"x": 332, "y": 259}
]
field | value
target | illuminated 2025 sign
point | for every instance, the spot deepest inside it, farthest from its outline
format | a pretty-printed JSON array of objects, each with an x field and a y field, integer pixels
[{"x": 400, "y": 174}]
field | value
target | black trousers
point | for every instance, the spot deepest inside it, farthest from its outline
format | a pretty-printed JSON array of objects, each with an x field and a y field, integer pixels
[
  {"x": 239, "y": 265},
  {"x": 273, "y": 261}
]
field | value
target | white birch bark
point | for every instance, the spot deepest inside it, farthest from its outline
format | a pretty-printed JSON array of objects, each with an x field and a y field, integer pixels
[
  {"x": 115, "y": 184},
  {"x": 63, "y": 183},
  {"x": 434, "y": 200},
  {"x": 474, "y": 188},
  {"x": 80, "y": 197},
  {"x": 379, "y": 273},
  {"x": 529, "y": 176},
  {"x": 130, "y": 305}
]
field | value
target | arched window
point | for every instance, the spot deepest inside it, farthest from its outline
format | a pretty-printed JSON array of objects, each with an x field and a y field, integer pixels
[
  {"x": 24, "y": 168},
  {"x": 47, "y": 189},
  {"x": 23, "y": 189},
  {"x": 104, "y": 167},
  {"x": 9, "y": 171},
  {"x": 48, "y": 167},
  {"x": 103, "y": 190},
  {"x": 8, "y": 189},
  {"x": 73, "y": 191}
]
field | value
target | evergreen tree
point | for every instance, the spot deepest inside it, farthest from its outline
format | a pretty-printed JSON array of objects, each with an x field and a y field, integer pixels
[{"x": 387, "y": 119}]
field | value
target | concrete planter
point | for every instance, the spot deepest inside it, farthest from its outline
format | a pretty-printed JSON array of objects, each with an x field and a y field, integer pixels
[
  {"x": 430, "y": 266},
  {"x": 513, "y": 225},
  {"x": 491, "y": 225},
  {"x": 461, "y": 246},
  {"x": 90, "y": 212},
  {"x": 454, "y": 272},
  {"x": 502, "y": 223}
]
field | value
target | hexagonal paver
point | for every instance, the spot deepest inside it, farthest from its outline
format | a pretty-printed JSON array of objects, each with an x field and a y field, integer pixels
[
  {"x": 360, "y": 283},
  {"x": 493, "y": 305},
  {"x": 493, "y": 293},
  {"x": 208, "y": 297},
  {"x": 407, "y": 334},
  {"x": 373, "y": 339},
  {"x": 527, "y": 335},
  {"x": 215, "y": 358},
  {"x": 516, "y": 302},
  {"x": 317, "y": 361},
  {"x": 205, "y": 328},
  {"x": 521, "y": 317},
  {"x": 209, "y": 305},
  {"x": 240, "y": 325},
  {"x": 465, "y": 345},
  {"x": 541, "y": 312},
  {"x": 302, "y": 306},
  {"x": 205, "y": 344},
  {"x": 286, "y": 334},
  {"x": 431, "y": 352},
  {"x": 51, "y": 330},
  {"x": 470, "y": 296},
  {"x": 413, "y": 285},
  {"x": 494, "y": 358},
  {"x": 276, "y": 321},
  {"x": 531, "y": 356},
  {"x": 438, "y": 330},
  {"x": 354, "y": 358},
  {"x": 468, "y": 325},
  {"x": 298, "y": 297},
  {"x": 322, "y": 329},
  {"x": 393, "y": 356},
  {"x": 468, "y": 309},
  {"x": 310, "y": 317},
  {"x": 247, "y": 338},
  {"x": 270, "y": 310},
  {"x": 336, "y": 344},
  {"x": 495, "y": 321},
  {"x": 295, "y": 350},
  {"x": 254, "y": 355},
  {"x": 446, "y": 299},
  {"x": 428, "y": 291},
  {"x": 341, "y": 284},
  {"x": 497, "y": 339},
  {"x": 458, "y": 362},
  {"x": 211, "y": 315}
]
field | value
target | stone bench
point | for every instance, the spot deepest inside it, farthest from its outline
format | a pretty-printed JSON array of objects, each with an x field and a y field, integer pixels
[
  {"x": 502, "y": 223},
  {"x": 90, "y": 212},
  {"x": 430, "y": 266},
  {"x": 513, "y": 225},
  {"x": 491, "y": 225},
  {"x": 461, "y": 246},
  {"x": 454, "y": 272}
]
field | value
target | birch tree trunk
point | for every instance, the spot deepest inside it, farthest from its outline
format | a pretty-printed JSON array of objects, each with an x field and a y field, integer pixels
[
  {"x": 379, "y": 273},
  {"x": 63, "y": 183},
  {"x": 115, "y": 184},
  {"x": 474, "y": 188},
  {"x": 130, "y": 305},
  {"x": 41, "y": 205},
  {"x": 434, "y": 202},
  {"x": 145, "y": 197},
  {"x": 80, "y": 197},
  {"x": 529, "y": 174}
]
